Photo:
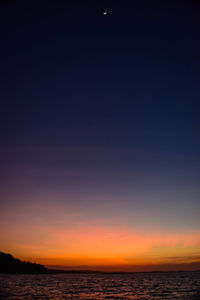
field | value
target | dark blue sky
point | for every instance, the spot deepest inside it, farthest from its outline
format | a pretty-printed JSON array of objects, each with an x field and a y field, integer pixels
[
  {"x": 72, "y": 76},
  {"x": 102, "y": 109}
]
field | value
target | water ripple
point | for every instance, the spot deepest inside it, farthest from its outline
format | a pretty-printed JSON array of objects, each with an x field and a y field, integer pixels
[{"x": 144, "y": 286}]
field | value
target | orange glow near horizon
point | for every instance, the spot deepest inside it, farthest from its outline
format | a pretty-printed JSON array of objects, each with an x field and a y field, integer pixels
[
  {"x": 92, "y": 246},
  {"x": 70, "y": 241}
]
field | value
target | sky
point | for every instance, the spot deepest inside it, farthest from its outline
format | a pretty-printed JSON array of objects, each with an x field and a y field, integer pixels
[{"x": 99, "y": 139}]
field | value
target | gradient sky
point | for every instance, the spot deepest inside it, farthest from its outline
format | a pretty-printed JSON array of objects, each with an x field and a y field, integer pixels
[{"x": 99, "y": 141}]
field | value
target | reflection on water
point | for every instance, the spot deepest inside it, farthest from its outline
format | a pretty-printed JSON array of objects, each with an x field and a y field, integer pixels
[{"x": 180, "y": 285}]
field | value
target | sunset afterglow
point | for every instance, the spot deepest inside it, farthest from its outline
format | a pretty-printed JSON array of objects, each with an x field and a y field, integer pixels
[
  {"x": 67, "y": 239},
  {"x": 100, "y": 148}
]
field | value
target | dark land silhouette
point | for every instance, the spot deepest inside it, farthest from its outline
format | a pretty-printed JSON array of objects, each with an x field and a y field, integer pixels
[{"x": 9, "y": 264}]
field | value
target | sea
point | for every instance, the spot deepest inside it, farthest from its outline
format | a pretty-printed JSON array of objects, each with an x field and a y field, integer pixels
[{"x": 169, "y": 285}]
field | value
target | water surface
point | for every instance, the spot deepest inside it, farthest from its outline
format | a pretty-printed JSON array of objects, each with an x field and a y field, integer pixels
[{"x": 177, "y": 285}]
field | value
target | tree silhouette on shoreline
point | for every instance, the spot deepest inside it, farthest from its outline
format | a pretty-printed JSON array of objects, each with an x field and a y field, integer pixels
[{"x": 9, "y": 264}]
